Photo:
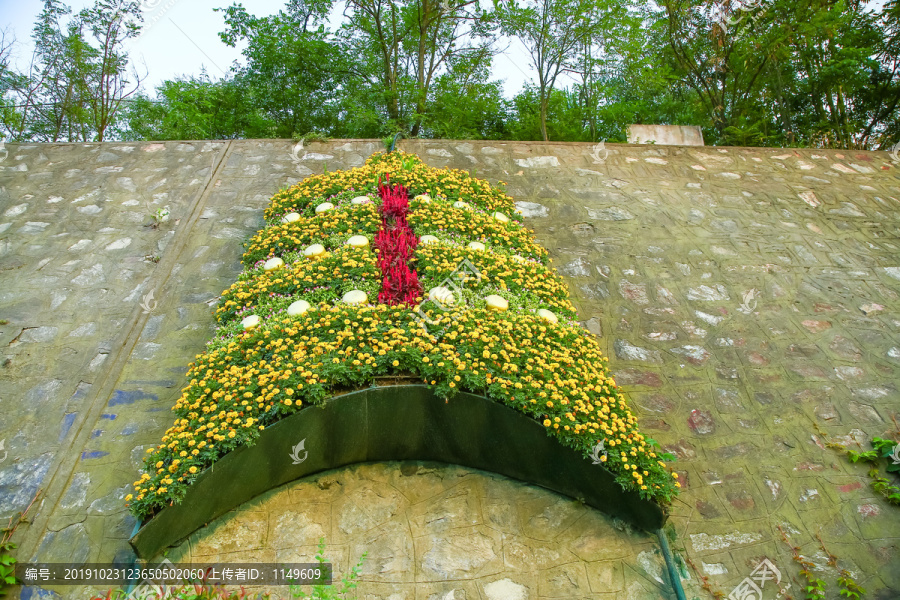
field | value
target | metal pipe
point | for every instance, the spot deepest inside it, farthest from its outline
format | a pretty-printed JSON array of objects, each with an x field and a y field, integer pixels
[
  {"x": 394, "y": 141},
  {"x": 670, "y": 564},
  {"x": 131, "y": 582}
]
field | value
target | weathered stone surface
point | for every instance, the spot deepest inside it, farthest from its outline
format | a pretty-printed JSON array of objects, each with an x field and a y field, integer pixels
[
  {"x": 505, "y": 589},
  {"x": 626, "y": 351}
]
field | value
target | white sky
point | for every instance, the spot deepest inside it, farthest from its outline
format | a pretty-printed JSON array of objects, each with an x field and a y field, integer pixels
[{"x": 180, "y": 37}]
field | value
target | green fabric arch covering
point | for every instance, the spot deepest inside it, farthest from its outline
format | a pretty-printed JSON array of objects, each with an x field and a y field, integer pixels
[{"x": 404, "y": 422}]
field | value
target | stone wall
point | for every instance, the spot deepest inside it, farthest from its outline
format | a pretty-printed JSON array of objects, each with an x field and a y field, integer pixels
[{"x": 747, "y": 297}]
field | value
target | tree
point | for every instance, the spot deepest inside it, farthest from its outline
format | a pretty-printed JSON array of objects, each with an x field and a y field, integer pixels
[
  {"x": 724, "y": 61},
  {"x": 401, "y": 48},
  {"x": 551, "y": 31},
  {"x": 77, "y": 80},
  {"x": 105, "y": 80},
  {"x": 196, "y": 108},
  {"x": 294, "y": 69}
]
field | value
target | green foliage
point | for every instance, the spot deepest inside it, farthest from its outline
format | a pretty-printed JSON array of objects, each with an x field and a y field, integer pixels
[
  {"x": 7, "y": 566},
  {"x": 882, "y": 449},
  {"x": 313, "y": 136},
  {"x": 869, "y": 456},
  {"x": 7, "y": 560},
  {"x": 815, "y": 588},
  {"x": 849, "y": 587},
  {"x": 331, "y": 592},
  {"x": 78, "y": 78},
  {"x": 884, "y": 487},
  {"x": 778, "y": 73}
]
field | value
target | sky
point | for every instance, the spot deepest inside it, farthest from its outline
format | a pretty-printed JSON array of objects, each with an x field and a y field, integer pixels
[{"x": 180, "y": 38}]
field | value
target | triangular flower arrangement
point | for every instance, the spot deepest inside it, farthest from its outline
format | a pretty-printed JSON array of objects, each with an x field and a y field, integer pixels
[{"x": 397, "y": 269}]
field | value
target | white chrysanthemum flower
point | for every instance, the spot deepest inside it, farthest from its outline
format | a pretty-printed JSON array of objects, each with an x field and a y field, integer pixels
[
  {"x": 273, "y": 263},
  {"x": 314, "y": 250},
  {"x": 251, "y": 321},
  {"x": 442, "y": 295},
  {"x": 298, "y": 308},
  {"x": 498, "y": 303},
  {"x": 547, "y": 315},
  {"x": 355, "y": 297}
]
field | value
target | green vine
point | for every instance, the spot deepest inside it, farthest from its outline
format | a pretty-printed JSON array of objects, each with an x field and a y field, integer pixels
[
  {"x": 7, "y": 560},
  {"x": 331, "y": 592},
  {"x": 885, "y": 450},
  {"x": 815, "y": 587},
  {"x": 849, "y": 588}
]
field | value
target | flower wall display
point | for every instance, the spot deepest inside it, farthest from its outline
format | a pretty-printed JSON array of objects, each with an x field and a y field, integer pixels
[{"x": 396, "y": 269}]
